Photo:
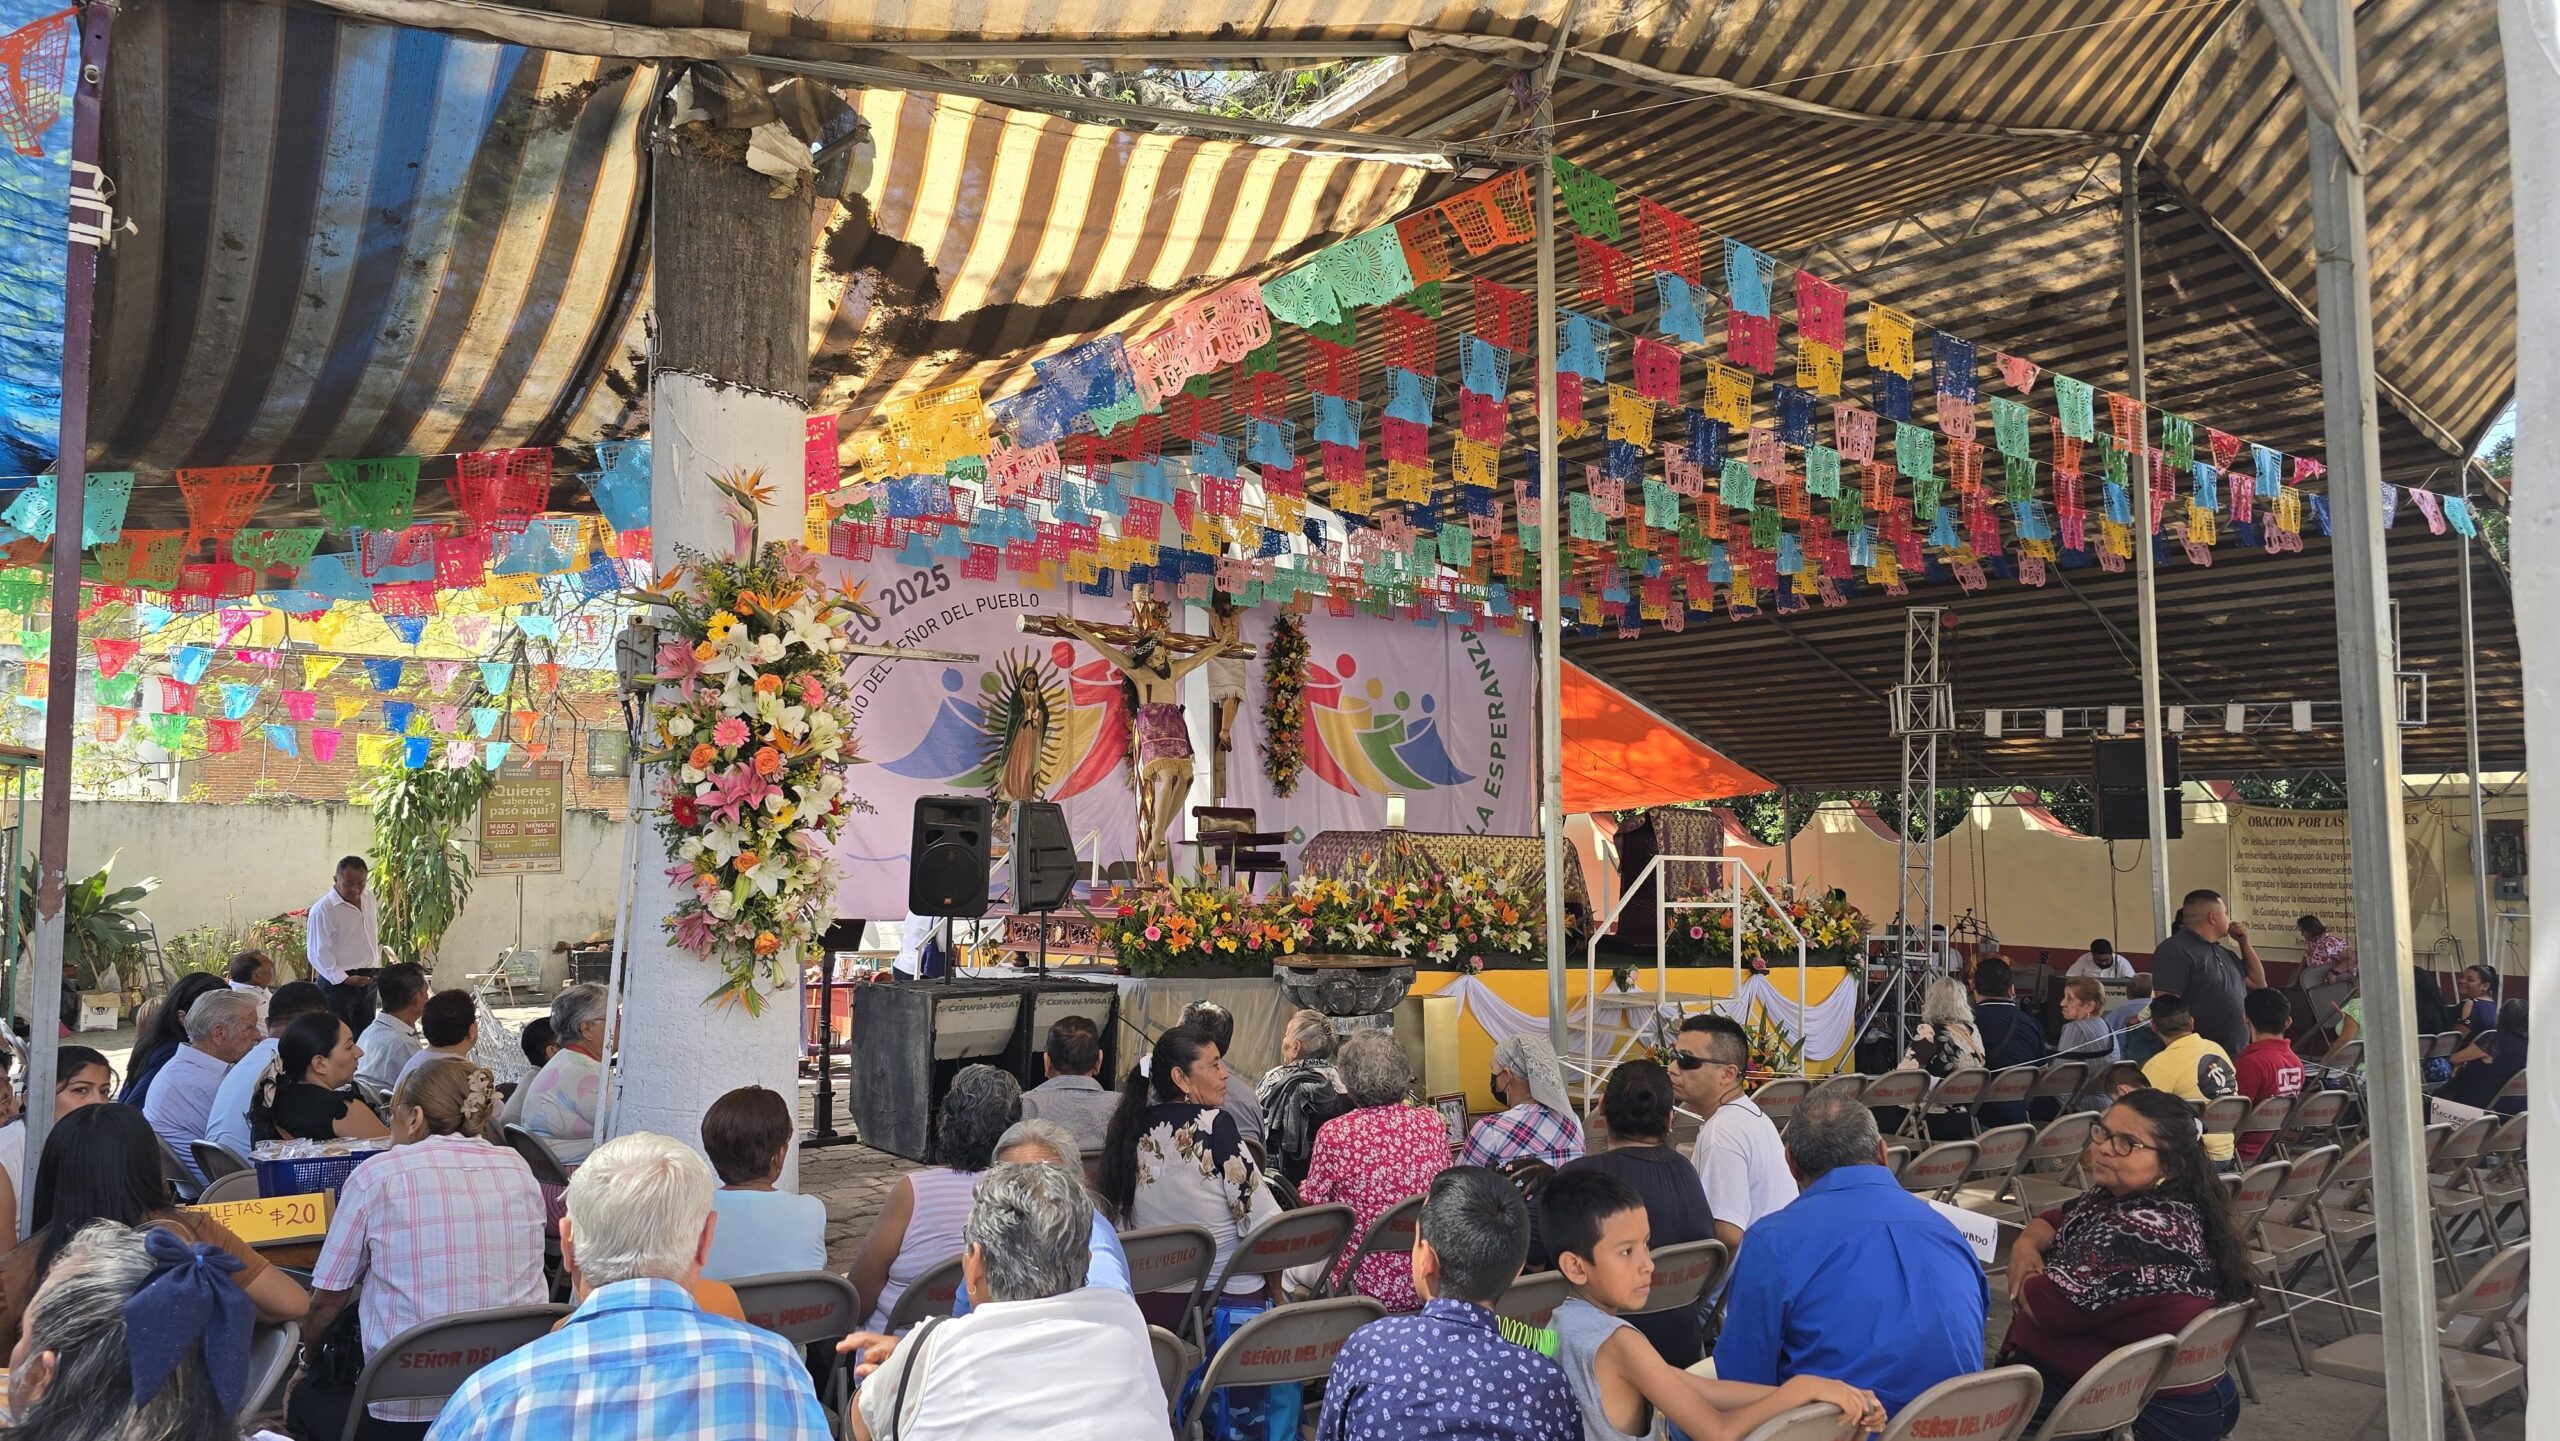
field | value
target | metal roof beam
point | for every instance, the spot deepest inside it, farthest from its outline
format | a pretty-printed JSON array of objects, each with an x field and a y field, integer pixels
[
  {"x": 1612, "y": 70},
  {"x": 2321, "y": 92}
]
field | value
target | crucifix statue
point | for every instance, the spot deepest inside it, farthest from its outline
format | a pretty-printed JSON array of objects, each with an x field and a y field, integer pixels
[{"x": 1144, "y": 653}]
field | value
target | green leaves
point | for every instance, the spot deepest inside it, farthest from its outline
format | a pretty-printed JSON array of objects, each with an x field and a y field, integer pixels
[{"x": 422, "y": 869}]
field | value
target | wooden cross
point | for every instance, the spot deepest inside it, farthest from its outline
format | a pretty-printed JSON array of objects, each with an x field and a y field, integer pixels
[{"x": 1125, "y": 636}]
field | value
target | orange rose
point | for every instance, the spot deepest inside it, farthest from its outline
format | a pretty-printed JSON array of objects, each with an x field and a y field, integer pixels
[
  {"x": 767, "y": 943},
  {"x": 768, "y": 761},
  {"x": 748, "y": 860},
  {"x": 703, "y": 757},
  {"x": 768, "y": 684},
  {"x": 704, "y": 652}
]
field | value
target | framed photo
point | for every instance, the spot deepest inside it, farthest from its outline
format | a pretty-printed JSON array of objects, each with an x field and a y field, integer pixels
[{"x": 1453, "y": 1117}]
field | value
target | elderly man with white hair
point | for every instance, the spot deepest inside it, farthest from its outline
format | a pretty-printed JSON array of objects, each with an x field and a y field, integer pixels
[
  {"x": 1043, "y": 1356},
  {"x": 1048, "y": 1143},
  {"x": 1538, "y": 1124},
  {"x": 222, "y": 1026},
  {"x": 638, "y": 1360}
]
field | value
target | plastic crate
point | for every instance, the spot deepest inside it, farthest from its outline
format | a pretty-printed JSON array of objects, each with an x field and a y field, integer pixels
[{"x": 302, "y": 1175}]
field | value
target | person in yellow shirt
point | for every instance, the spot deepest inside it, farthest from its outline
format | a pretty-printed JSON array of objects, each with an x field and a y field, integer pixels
[{"x": 2191, "y": 1068}]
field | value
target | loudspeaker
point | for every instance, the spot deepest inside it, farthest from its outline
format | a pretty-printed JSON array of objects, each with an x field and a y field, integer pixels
[
  {"x": 2125, "y": 816},
  {"x": 912, "y": 1038},
  {"x": 2119, "y": 765},
  {"x": 1044, "y": 857},
  {"x": 947, "y": 856}
]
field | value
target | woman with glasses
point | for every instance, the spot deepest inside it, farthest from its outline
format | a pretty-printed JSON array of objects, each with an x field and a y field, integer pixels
[{"x": 2147, "y": 1250}]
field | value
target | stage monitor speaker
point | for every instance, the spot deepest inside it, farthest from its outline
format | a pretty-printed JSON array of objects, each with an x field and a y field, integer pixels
[
  {"x": 2119, "y": 765},
  {"x": 1044, "y": 857},
  {"x": 2123, "y": 815},
  {"x": 911, "y": 1038},
  {"x": 947, "y": 857},
  {"x": 1048, "y": 1001}
]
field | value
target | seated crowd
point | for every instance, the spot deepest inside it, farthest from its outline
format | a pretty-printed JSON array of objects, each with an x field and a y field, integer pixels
[{"x": 1826, "y": 1280}]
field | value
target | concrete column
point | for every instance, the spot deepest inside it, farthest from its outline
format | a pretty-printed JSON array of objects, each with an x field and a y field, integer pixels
[
  {"x": 732, "y": 303},
  {"x": 2530, "y": 31}
]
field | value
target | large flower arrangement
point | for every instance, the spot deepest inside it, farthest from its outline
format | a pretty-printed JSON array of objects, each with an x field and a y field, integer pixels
[
  {"x": 1284, "y": 704},
  {"x": 1455, "y": 919},
  {"x": 1827, "y": 920},
  {"x": 756, "y": 732}
]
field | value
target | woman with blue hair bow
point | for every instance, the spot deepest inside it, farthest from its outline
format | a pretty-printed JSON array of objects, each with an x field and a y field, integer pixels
[{"x": 136, "y": 1335}]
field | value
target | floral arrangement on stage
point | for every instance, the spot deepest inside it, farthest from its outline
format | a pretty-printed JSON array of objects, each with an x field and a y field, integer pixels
[
  {"x": 756, "y": 730},
  {"x": 1455, "y": 920},
  {"x": 1284, "y": 704},
  {"x": 1829, "y": 923}
]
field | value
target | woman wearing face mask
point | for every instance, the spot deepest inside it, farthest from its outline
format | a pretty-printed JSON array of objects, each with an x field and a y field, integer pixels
[
  {"x": 307, "y": 1098},
  {"x": 85, "y": 1079},
  {"x": 2147, "y": 1250}
]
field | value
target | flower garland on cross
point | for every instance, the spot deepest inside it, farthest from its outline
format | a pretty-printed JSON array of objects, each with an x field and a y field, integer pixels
[{"x": 754, "y": 731}]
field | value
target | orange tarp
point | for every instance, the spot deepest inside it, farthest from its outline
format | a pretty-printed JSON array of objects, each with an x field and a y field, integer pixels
[{"x": 1620, "y": 756}]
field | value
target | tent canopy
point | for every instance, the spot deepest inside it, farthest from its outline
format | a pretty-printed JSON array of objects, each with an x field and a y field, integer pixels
[{"x": 1619, "y": 756}]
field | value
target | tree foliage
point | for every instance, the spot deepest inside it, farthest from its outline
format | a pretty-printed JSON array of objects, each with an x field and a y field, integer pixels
[{"x": 422, "y": 853}]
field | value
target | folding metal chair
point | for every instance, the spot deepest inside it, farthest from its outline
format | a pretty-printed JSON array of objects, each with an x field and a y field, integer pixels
[
  {"x": 809, "y": 1309},
  {"x": 238, "y": 1186},
  {"x": 1293, "y": 1238},
  {"x": 1683, "y": 1273},
  {"x": 932, "y": 1294},
  {"x": 218, "y": 1161},
  {"x": 2266, "y": 1121},
  {"x": 1959, "y": 1090},
  {"x": 1814, "y": 1421},
  {"x": 1937, "y": 1171},
  {"x": 2281, "y": 1249},
  {"x": 2451, "y": 1199},
  {"x": 2025, "y": 1193},
  {"x": 2499, "y": 1174},
  {"x": 1896, "y": 1091},
  {"x": 1393, "y": 1231},
  {"x": 1848, "y": 1082},
  {"x": 2315, "y": 1120},
  {"x": 431, "y": 1360},
  {"x": 2205, "y": 1350},
  {"x": 2473, "y": 1376},
  {"x": 2110, "y": 1394},
  {"x": 1170, "y": 1258},
  {"x": 1174, "y": 1359},
  {"x": 271, "y": 1353},
  {"x": 537, "y": 1154},
  {"x": 1984, "y": 1406},
  {"x": 1286, "y": 1343},
  {"x": 1778, "y": 1099},
  {"x": 2010, "y": 1087},
  {"x": 2060, "y": 1083},
  {"x": 2223, "y": 1117},
  {"x": 1533, "y": 1299}
]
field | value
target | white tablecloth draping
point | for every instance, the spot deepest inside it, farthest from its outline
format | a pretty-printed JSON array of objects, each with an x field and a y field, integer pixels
[{"x": 1829, "y": 1023}]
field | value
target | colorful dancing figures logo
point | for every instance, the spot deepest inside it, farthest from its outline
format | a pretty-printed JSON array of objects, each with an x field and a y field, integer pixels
[{"x": 1359, "y": 738}]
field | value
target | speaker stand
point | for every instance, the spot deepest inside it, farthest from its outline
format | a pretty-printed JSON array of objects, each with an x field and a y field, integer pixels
[{"x": 822, "y": 1131}]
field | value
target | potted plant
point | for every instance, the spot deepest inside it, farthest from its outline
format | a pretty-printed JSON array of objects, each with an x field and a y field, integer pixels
[{"x": 102, "y": 928}]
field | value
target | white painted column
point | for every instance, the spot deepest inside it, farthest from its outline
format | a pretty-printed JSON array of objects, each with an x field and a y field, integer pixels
[
  {"x": 2530, "y": 31},
  {"x": 679, "y": 1054}
]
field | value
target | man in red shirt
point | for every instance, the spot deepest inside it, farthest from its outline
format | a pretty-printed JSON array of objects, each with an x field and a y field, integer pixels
[{"x": 2268, "y": 1065}]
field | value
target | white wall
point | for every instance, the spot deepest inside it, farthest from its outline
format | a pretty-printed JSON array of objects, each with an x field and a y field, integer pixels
[{"x": 228, "y": 865}]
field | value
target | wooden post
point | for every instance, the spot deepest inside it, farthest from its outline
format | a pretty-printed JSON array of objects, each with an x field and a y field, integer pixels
[{"x": 728, "y": 394}]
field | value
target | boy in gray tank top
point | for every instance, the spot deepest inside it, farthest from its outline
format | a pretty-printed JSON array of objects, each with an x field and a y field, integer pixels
[{"x": 1597, "y": 1227}]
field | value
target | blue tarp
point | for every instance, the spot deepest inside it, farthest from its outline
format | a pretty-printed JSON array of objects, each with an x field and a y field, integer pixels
[{"x": 34, "y": 194}]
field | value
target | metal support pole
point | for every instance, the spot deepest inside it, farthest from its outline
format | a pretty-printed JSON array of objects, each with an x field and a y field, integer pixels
[
  {"x": 1787, "y": 825},
  {"x": 70, "y": 503},
  {"x": 2529, "y": 35},
  {"x": 1550, "y": 607},
  {"x": 2359, "y": 571},
  {"x": 2480, "y": 902},
  {"x": 2155, "y": 767}
]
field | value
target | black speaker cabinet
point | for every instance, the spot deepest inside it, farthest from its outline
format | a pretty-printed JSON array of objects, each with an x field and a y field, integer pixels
[
  {"x": 2123, "y": 815},
  {"x": 910, "y": 1038},
  {"x": 1045, "y": 1002},
  {"x": 1044, "y": 857},
  {"x": 947, "y": 856},
  {"x": 2118, "y": 764}
]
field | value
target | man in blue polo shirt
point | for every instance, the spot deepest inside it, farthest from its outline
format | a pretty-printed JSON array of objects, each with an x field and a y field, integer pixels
[{"x": 1857, "y": 1280}]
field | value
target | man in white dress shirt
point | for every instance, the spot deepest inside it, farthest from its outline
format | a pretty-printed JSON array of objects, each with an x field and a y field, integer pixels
[
  {"x": 222, "y": 1026},
  {"x": 345, "y": 944},
  {"x": 2102, "y": 962}
]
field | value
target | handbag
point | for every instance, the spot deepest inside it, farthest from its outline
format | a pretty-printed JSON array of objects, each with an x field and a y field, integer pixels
[{"x": 335, "y": 1362}]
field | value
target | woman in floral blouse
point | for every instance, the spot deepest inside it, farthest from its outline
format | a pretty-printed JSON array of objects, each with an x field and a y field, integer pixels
[
  {"x": 1384, "y": 1152},
  {"x": 1173, "y": 1158}
]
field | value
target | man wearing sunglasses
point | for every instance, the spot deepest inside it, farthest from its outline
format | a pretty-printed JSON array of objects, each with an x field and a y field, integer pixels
[{"x": 1739, "y": 1157}]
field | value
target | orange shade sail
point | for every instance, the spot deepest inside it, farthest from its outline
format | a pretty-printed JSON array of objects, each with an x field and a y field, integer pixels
[{"x": 1620, "y": 756}]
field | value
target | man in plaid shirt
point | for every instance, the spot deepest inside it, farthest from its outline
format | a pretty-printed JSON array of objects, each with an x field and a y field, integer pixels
[{"x": 638, "y": 1361}]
